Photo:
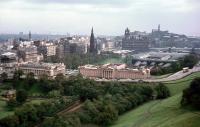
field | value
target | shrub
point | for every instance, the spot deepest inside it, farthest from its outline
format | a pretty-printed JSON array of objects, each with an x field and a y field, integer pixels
[
  {"x": 191, "y": 95},
  {"x": 162, "y": 91}
]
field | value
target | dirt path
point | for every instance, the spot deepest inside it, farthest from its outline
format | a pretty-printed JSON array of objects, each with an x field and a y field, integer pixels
[{"x": 74, "y": 107}]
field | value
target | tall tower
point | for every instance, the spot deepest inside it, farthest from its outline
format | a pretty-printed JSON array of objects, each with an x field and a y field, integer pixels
[
  {"x": 127, "y": 32},
  {"x": 159, "y": 27},
  {"x": 93, "y": 45},
  {"x": 29, "y": 36}
]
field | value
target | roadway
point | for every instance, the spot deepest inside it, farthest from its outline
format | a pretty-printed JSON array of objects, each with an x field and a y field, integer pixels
[{"x": 175, "y": 76}]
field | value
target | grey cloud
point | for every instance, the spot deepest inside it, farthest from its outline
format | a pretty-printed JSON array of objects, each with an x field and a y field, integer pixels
[{"x": 111, "y": 3}]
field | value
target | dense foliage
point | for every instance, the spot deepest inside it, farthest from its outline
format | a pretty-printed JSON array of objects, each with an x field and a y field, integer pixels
[
  {"x": 30, "y": 115},
  {"x": 116, "y": 100},
  {"x": 162, "y": 91},
  {"x": 188, "y": 61},
  {"x": 21, "y": 96},
  {"x": 62, "y": 121},
  {"x": 73, "y": 60},
  {"x": 101, "y": 102},
  {"x": 191, "y": 95}
]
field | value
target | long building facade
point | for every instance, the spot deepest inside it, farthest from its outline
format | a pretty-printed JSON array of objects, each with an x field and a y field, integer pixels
[
  {"x": 113, "y": 71},
  {"x": 50, "y": 69}
]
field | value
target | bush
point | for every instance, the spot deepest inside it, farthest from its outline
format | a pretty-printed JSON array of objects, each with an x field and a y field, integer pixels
[
  {"x": 21, "y": 96},
  {"x": 162, "y": 91},
  {"x": 12, "y": 103},
  {"x": 189, "y": 61},
  {"x": 191, "y": 95},
  {"x": 57, "y": 121},
  {"x": 54, "y": 93},
  {"x": 10, "y": 121}
]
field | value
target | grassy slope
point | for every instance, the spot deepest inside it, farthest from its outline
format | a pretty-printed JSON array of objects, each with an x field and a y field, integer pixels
[
  {"x": 161, "y": 76},
  {"x": 163, "y": 113}
]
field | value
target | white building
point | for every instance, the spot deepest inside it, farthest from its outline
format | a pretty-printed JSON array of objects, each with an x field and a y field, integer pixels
[{"x": 50, "y": 69}]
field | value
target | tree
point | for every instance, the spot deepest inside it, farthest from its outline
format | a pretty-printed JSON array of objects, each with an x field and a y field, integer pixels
[
  {"x": 162, "y": 91},
  {"x": 17, "y": 75},
  {"x": 12, "y": 103},
  {"x": 30, "y": 78},
  {"x": 54, "y": 93},
  {"x": 189, "y": 61},
  {"x": 27, "y": 115},
  {"x": 9, "y": 121},
  {"x": 191, "y": 95},
  {"x": 43, "y": 77},
  {"x": 4, "y": 76},
  {"x": 60, "y": 77},
  {"x": 21, "y": 96},
  {"x": 128, "y": 60},
  {"x": 57, "y": 121}
]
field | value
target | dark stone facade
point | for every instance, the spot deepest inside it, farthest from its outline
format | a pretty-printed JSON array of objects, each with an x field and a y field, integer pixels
[{"x": 136, "y": 41}]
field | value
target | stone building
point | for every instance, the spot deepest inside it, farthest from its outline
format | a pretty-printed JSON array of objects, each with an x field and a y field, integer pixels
[
  {"x": 47, "y": 49},
  {"x": 29, "y": 54},
  {"x": 50, "y": 69},
  {"x": 137, "y": 41},
  {"x": 113, "y": 71}
]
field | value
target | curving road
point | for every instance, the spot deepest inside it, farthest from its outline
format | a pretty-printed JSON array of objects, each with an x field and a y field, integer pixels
[{"x": 175, "y": 76}]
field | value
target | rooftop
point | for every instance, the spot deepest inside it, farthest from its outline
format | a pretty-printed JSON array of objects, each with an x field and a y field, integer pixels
[{"x": 42, "y": 65}]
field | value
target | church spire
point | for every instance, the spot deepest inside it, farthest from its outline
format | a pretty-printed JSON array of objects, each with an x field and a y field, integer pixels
[
  {"x": 29, "y": 36},
  {"x": 92, "y": 31},
  {"x": 93, "y": 44},
  {"x": 159, "y": 27}
]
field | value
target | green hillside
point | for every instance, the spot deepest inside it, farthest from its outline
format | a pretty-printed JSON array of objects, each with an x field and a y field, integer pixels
[{"x": 163, "y": 113}]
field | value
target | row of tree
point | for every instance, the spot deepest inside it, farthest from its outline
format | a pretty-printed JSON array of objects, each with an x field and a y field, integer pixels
[
  {"x": 73, "y": 60},
  {"x": 188, "y": 61},
  {"x": 105, "y": 109},
  {"x": 191, "y": 95},
  {"x": 29, "y": 115},
  {"x": 104, "y": 101}
]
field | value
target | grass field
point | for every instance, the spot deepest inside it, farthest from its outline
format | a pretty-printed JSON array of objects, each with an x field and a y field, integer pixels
[
  {"x": 161, "y": 76},
  {"x": 112, "y": 60},
  {"x": 177, "y": 86},
  {"x": 163, "y": 113}
]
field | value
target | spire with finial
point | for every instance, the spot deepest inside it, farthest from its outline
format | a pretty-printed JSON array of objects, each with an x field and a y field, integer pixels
[
  {"x": 92, "y": 30},
  {"x": 92, "y": 42}
]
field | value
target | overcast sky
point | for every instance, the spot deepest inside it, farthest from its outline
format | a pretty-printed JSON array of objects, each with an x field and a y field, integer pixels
[{"x": 108, "y": 17}]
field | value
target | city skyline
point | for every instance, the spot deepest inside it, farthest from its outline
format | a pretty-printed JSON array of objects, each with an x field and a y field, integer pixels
[{"x": 107, "y": 17}]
